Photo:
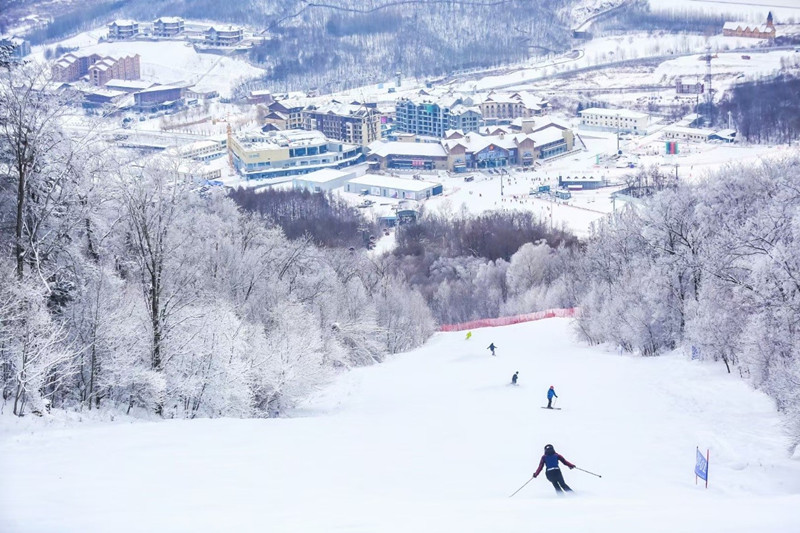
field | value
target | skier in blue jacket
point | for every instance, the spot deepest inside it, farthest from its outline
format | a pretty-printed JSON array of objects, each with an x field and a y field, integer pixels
[
  {"x": 550, "y": 395},
  {"x": 550, "y": 459}
]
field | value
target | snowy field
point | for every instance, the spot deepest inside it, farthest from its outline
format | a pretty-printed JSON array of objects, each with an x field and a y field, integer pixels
[
  {"x": 609, "y": 50},
  {"x": 434, "y": 440},
  {"x": 730, "y": 64},
  {"x": 172, "y": 62}
]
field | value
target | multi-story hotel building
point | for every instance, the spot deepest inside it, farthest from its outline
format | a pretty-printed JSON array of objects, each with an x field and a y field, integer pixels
[
  {"x": 506, "y": 107},
  {"x": 109, "y": 68},
  {"x": 100, "y": 70},
  {"x": 258, "y": 155},
  {"x": 434, "y": 117},
  {"x": 354, "y": 124}
]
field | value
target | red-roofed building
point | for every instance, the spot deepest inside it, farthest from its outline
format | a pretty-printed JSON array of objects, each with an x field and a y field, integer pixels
[{"x": 745, "y": 29}]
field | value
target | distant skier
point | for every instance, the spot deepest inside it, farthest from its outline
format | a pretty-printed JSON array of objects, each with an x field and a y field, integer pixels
[
  {"x": 550, "y": 459},
  {"x": 550, "y": 395},
  {"x": 492, "y": 348},
  {"x": 514, "y": 378},
  {"x": 469, "y": 335}
]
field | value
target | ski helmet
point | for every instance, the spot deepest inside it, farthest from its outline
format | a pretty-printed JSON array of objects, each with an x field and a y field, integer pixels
[
  {"x": 549, "y": 450},
  {"x": 552, "y": 387}
]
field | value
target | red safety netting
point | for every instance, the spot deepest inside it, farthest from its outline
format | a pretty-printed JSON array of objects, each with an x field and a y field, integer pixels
[{"x": 508, "y": 320}]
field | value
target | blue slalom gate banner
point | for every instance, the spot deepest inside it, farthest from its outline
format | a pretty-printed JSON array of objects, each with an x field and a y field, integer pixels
[{"x": 701, "y": 467}]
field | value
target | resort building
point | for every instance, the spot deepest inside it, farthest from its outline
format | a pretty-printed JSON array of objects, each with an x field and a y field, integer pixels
[
  {"x": 746, "y": 29},
  {"x": 258, "y": 155},
  {"x": 350, "y": 123},
  {"x": 502, "y": 108},
  {"x": 616, "y": 120},
  {"x": 288, "y": 114},
  {"x": 168, "y": 26},
  {"x": 391, "y": 187},
  {"x": 434, "y": 116},
  {"x": 100, "y": 70},
  {"x": 108, "y": 68},
  {"x": 323, "y": 180},
  {"x": 461, "y": 152},
  {"x": 122, "y": 29},
  {"x": 224, "y": 37}
]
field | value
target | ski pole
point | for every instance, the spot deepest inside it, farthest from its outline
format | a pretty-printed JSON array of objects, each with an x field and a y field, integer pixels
[
  {"x": 522, "y": 487},
  {"x": 592, "y": 473}
]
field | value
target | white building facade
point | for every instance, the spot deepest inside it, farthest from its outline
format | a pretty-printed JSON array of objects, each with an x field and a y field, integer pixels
[{"x": 615, "y": 120}]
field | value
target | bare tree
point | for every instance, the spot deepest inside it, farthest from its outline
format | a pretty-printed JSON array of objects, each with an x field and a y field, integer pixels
[
  {"x": 30, "y": 138},
  {"x": 156, "y": 203}
]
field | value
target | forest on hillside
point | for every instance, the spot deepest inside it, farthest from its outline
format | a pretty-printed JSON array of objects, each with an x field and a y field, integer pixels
[
  {"x": 340, "y": 44},
  {"x": 765, "y": 110}
]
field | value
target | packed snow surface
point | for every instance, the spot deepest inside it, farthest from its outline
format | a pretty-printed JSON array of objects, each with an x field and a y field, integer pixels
[{"x": 434, "y": 440}]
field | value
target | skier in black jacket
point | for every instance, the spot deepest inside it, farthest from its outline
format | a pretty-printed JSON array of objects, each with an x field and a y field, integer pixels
[
  {"x": 515, "y": 377},
  {"x": 550, "y": 459},
  {"x": 492, "y": 347}
]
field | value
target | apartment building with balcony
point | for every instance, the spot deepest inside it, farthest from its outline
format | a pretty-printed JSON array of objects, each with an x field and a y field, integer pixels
[
  {"x": 433, "y": 117},
  {"x": 119, "y": 30},
  {"x": 168, "y": 26},
  {"x": 223, "y": 36},
  {"x": 351, "y": 123}
]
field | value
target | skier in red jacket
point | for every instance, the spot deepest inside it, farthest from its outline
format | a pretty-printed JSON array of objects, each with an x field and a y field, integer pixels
[{"x": 550, "y": 459}]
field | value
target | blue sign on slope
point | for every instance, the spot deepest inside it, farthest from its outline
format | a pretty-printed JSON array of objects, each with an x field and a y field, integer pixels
[{"x": 701, "y": 468}]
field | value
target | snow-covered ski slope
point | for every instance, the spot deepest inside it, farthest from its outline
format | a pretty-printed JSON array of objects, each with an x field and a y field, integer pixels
[{"x": 432, "y": 441}]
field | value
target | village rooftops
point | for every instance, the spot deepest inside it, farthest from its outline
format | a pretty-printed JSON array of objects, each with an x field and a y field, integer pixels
[
  {"x": 169, "y": 20},
  {"x": 281, "y": 139},
  {"x": 547, "y": 135},
  {"x": 446, "y": 101},
  {"x": 138, "y": 85},
  {"x": 100, "y": 91},
  {"x": 338, "y": 108},
  {"x": 196, "y": 146},
  {"x": 621, "y": 113},
  {"x": 159, "y": 88},
  {"x": 324, "y": 175},
  {"x": 383, "y": 149},
  {"x": 745, "y": 26},
  {"x": 688, "y": 131},
  {"x": 123, "y": 22}
]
